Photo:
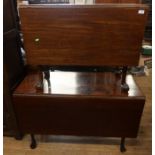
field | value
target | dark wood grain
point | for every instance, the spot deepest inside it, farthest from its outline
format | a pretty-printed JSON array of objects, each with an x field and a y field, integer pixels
[
  {"x": 79, "y": 83},
  {"x": 97, "y": 107},
  {"x": 107, "y": 1},
  {"x": 83, "y": 35},
  {"x": 130, "y": 1},
  {"x": 117, "y": 1}
]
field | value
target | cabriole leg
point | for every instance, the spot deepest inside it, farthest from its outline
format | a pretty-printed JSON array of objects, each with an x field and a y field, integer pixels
[
  {"x": 33, "y": 142},
  {"x": 122, "y": 145}
]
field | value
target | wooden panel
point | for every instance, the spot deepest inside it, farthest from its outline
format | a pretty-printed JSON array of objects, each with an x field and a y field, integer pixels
[
  {"x": 130, "y": 1},
  {"x": 118, "y": 1},
  {"x": 79, "y": 116},
  {"x": 95, "y": 108},
  {"x": 106, "y": 1},
  {"x": 83, "y": 35}
]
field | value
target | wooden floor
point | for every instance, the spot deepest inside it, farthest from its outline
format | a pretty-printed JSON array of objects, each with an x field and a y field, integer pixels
[{"x": 66, "y": 145}]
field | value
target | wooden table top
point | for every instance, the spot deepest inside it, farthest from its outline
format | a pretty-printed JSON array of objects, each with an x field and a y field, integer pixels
[
  {"x": 86, "y": 35},
  {"x": 89, "y": 84}
]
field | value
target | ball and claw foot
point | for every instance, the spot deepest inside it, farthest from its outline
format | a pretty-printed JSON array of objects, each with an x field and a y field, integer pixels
[
  {"x": 33, "y": 142},
  {"x": 125, "y": 87},
  {"x": 33, "y": 145},
  {"x": 122, "y": 149},
  {"x": 19, "y": 136},
  {"x": 122, "y": 145}
]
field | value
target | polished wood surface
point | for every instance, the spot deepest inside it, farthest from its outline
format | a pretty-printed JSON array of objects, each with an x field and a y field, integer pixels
[
  {"x": 106, "y": 34},
  {"x": 73, "y": 145},
  {"x": 79, "y": 83},
  {"x": 107, "y": 1},
  {"x": 117, "y": 1},
  {"x": 130, "y": 1},
  {"x": 88, "y": 104}
]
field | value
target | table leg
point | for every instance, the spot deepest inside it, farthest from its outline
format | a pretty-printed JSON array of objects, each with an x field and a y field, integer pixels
[
  {"x": 122, "y": 145},
  {"x": 19, "y": 136},
  {"x": 47, "y": 77},
  {"x": 33, "y": 142},
  {"x": 39, "y": 85},
  {"x": 124, "y": 85}
]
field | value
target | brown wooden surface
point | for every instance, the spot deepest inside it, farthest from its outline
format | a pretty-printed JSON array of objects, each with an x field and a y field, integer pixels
[
  {"x": 117, "y": 1},
  {"x": 109, "y": 34},
  {"x": 97, "y": 107},
  {"x": 79, "y": 83},
  {"x": 130, "y": 1},
  {"x": 106, "y": 1},
  {"x": 75, "y": 145}
]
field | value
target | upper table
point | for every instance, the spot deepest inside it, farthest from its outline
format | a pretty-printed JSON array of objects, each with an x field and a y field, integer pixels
[{"x": 86, "y": 35}]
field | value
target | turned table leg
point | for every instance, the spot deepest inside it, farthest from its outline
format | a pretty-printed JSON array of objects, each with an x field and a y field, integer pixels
[
  {"x": 122, "y": 145},
  {"x": 39, "y": 85},
  {"x": 47, "y": 77},
  {"x": 33, "y": 142},
  {"x": 124, "y": 85}
]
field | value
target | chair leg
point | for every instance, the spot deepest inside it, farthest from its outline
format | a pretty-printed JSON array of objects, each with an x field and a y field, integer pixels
[
  {"x": 33, "y": 142},
  {"x": 122, "y": 145}
]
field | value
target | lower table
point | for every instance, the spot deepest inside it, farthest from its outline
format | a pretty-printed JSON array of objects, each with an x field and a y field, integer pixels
[{"x": 79, "y": 103}]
